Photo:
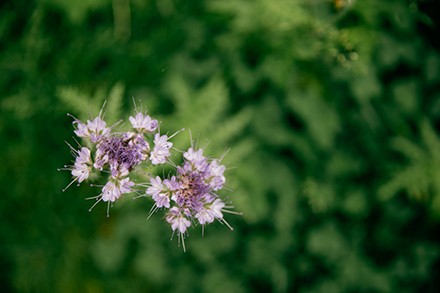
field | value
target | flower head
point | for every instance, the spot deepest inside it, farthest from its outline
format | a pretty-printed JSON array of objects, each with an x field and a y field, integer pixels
[
  {"x": 121, "y": 153},
  {"x": 97, "y": 129},
  {"x": 161, "y": 150},
  {"x": 118, "y": 154},
  {"x": 81, "y": 129},
  {"x": 189, "y": 197},
  {"x": 143, "y": 123},
  {"x": 82, "y": 167},
  {"x": 177, "y": 220},
  {"x": 193, "y": 193}
]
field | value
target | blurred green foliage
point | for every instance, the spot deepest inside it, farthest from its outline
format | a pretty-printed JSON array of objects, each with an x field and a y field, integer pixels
[{"x": 330, "y": 110}]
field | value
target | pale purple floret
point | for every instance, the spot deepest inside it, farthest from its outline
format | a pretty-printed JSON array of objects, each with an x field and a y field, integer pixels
[
  {"x": 113, "y": 190},
  {"x": 156, "y": 186},
  {"x": 125, "y": 185},
  {"x": 110, "y": 192},
  {"x": 81, "y": 168},
  {"x": 161, "y": 191},
  {"x": 214, "y": 175},
  {"x": 204, "y": 216},
  {"x": 81, "y": 129},
  {"x": 172, "y": 184},
  {"x": 81, "y": 172},
  {"x": 143, "y": 122},
  {"x": 97, "y": 129},
  {"x": 216, "y": 208},
  {"x": 193, "y": 191},
  {"x": 195, "y": 160},
  {"x": 162, "y": 200},
  {"x": 161, "y": 150},
  {"x": 83, "y": 156},
  {"x": 177, "y": 220}
]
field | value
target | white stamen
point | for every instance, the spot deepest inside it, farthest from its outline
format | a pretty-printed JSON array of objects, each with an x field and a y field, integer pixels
[{"x": 95, "y": 204}]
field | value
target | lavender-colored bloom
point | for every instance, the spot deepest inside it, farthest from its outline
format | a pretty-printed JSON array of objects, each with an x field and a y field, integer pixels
[
  {"x": 110, "y": 192},
  {"x": 81, "y": 172},
  {"x": 160, "y": 190},
  {"x": 113, "y": 190},
  {"x": 216, "y": 208},
  {"x": 195, "y": 160},
  {"x": 177, "y": 220},
  {"x": 214, "y": 175},
  {"x": 204, "y": 217},
  {"x": 172, "y": 184},
  {"x": 81, "y": 168},
  {"x": 100, "y": 160},
  {"x": 121, "y": 153},
  {"x": 190, "y": 195},
  {"x": 143, "y": 122},
  {"x": 162, "y": 200},
  {"x": 193, "y": 192},
  {"x": 156, "y": 186},
  {"x": 125, "y": 185},
  {"x": 161, "y": 150},
  {"x": 192, "y": 155},
  {"x": 97, "y": 129},
  {"x": 83, "y": 156},
  {"x": 96, "y": 125},
  {"x": 81, "y": 130}
]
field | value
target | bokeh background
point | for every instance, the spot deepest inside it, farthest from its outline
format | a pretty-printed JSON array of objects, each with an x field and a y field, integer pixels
[{"x": 330, "y": 110}]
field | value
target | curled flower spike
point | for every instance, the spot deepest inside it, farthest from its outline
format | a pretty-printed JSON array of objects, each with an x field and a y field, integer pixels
[
  {"x": 191, "y": 195},
  {"x": 117, "y": 154}
]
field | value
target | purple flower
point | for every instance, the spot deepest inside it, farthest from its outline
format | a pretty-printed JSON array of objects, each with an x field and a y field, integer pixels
[
  {"x": 97, "y": 129},
  {"x": 156, "y": 186},
  {"x": 125, "y": 185},
  {"x": 192, "y": 191},
  {"x": 83, "y": 156},
  {"x": 177, "y": 220},
  {"x": 161, "y": 150},
  {"x": 161, "y": 191},
  {"x": 81, "y": 168},
  {"x": 214, "y": 175},
  {"x": 195, "y": 160},
  {"x": 204, "y": 216},
  {"x": 122, "y": 153},
  {"x": 110, "y": 192},
  {"x": 216, "y": 208},
  {"x": 143, "y": 123},
  {"x": 172, "y": 184},
  {"x": 81, "y": 130},
  {"x": 190, "y": 196},
  {"x": 113, "y": 190},
  {"x": 81, "y": 172}
]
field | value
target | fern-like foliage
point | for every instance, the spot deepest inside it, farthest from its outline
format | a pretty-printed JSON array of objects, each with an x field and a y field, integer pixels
[
  {"x": 87, "y": 105},
  {"x": 420, "y": 178}
]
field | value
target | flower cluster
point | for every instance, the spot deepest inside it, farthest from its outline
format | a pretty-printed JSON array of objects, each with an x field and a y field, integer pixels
[
  {"x": 189, "y": 196},
  {"x": 117, "y": 153}
]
